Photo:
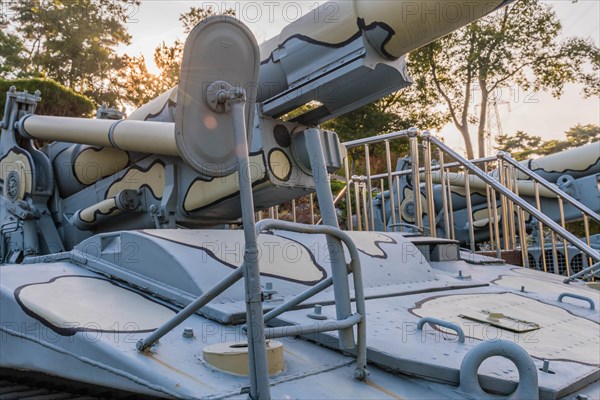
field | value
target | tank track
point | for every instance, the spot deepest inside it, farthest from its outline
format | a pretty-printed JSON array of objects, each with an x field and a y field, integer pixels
[
  {"x": 34, "y": 386},
  {"x": 12, "y": 389}
]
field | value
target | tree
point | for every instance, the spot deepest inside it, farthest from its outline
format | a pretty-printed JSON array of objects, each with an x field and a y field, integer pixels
[
  {"x": 11, "y": 50},
  {"x": 520, "y": 145},
  {"x": 57, "y": 99},
  {"x": 583, "y": 134},
  {"x": 74, "y": 42},
  {"x": 390, "y": 114},
  {"x": 370, "y": 120},
  {"x": 168, "y": 59},
  {"x": 138, "y": 86},
  {"x": 523, "y": 146},
  {"x": 514, "y": 49}
]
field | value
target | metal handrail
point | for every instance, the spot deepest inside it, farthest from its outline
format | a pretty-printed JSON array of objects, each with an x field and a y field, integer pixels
[
  {"x": 366, "y": 217},
  {"x": 591, "y": 270},
  {"x": 550, "y": 186},
  {"x": 359, "y": 318},
  {"x": 375, "y": 139},
  {"x": 433, "y": 168},
  {"x": 407, "y": 172},
  {"x": 505, "y": 215},
  {"x": 578, "y": 297},
  {"x": 515, "y": 199},
  {"x": 445, "y": 324},
  {"x": 191, "y": 308}
]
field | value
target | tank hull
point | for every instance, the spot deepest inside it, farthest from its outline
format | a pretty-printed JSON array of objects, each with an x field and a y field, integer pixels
[{"x": 87, "y": 329}]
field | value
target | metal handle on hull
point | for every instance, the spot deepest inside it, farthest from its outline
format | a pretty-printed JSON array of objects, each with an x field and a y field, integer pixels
[
  {"x": 434, "y": 321},
  {"x": 579, "y": 297},
  {"x": 528, "y": 376}
]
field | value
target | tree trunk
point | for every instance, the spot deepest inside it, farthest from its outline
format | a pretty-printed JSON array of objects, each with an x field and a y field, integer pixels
[
  {"x": 464, "y": 130},
  {"x": 482, "y": 121}
]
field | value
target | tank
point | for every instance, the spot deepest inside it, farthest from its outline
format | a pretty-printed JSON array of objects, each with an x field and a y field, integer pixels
[{"x": 133, "y": 265}]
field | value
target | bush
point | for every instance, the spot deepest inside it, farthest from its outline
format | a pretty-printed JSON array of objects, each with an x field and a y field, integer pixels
[{"x": 57, "y": 100}]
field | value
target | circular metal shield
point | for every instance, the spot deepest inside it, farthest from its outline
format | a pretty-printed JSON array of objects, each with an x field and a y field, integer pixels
[{"x": 219, "y": 48}]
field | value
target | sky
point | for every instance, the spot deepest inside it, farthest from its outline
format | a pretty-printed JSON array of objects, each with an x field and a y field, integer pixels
[{"x": 539, "y": 113}]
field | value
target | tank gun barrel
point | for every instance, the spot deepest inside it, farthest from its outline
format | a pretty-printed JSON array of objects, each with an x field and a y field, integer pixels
[
  {"x": 346, "y": 54},
  {"x": 390, "y": 29},
  {"x": 128, "y": 135},
  {"x": 409, "y": 24},
  {"x": 342, "y": 55}
]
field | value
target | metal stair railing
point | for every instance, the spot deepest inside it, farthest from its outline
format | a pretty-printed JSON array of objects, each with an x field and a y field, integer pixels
[
  {"x": 586, "y": 212},
  {"x": 362, "y": 185},
  {"x": 507, "y": 221},
  {"x": 358, "y": 186},
  {"x": 369, "y": 214},
  {"x": 509, "y": 196},
  {"x": 553, "y": 188},
  {"x": 589, "y": 271}
]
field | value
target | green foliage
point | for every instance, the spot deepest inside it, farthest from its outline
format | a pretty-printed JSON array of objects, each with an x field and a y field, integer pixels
[
  {"x": 137, "y": 85},
  {"x": 369, "y": 120},
  {"x": 520, "y": 145},
  {"x": 73, "y": 42},
  {"x": 11, "y": 50},
  {"x": 523, "y": 146},
  {"x": 57, "y": 99},
  {"x": 384, "y": 116},
  {"x": 577, "y": 228},
  {"x": 337, "y": 186},
  {"x": 519, "y": 47},
  {"x": 168, "y": 59},
  {"x": 583, "y": 134}
]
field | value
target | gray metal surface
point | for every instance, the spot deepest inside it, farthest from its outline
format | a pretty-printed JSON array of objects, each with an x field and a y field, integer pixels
[
  {"x": 415, "y": 359},
  {"x": 175, "y": 367},
  {"x": 98, "y": 264},
  {"x": 395, "y": 342}
]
